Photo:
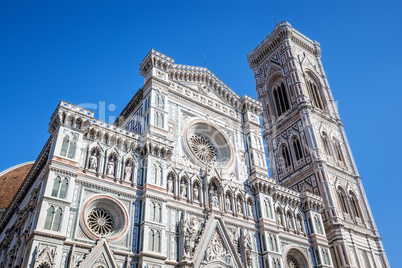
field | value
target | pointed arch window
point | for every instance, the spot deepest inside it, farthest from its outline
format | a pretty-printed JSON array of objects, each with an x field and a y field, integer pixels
[
  {"x": 325, "y": 144},
  {"x": 342, "y": 199},
  {"x": 68, "y": 146},
  {"x": 53, "y": 219},
  {"x": 156, "y": 211},
  {"x": 154, "y": 240},
  {"x": 315, "y": 95},
  {"x": 78, "y": 124},
  {"x": 325, "y": 257},
  {"x": 60, "y": 187},
  {"x": 286, "y": 156},
  {"x": 298, "y": 149},
  {"x": 317, "y": 223},
  {"x": 64, "y": 146},
  {"x": 268, "y": 209},
  {"x": 281, "y": 99},
  {"x": 338, "y": 151},
  {"x": 354, "y": 202}
]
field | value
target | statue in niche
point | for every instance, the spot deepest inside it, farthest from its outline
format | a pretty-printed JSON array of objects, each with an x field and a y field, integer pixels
[
  {"x": 196, "y": 192},
  {"x": 239, "y": 206},
  {"x": 110, "y": 168},
  {"x": 246, "y": 243},
  {"x": 183, "y": 189},
  {"x": 187, "y": 231},
  {"x": 93, "y": 162},
  {"x": 290, "y": 224},
  {"x": 228, "y": 203},
  {"x": 250, "y": 209},
  {"x": 127, "y": 172},
  {"x": 213, "y": 198},
  {"x": 170, "y": 186}
]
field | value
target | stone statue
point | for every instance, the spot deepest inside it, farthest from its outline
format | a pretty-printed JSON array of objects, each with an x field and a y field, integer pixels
[
  {"x": 170, "y": 186},
  {"x": 93, "y": 162},
  {"x": 196, "y": 193},
  {"x": 214, "y": 199},
  {"x": 250, "y": 209},
  {"x": 228, "y": 203},
  {"x": 239, "y": 207},
  {"x": 290, "y": 224},
  {"x": 183, "y": 189},
  {"x": 127, "y": 173},
  {"x": 110, "y": 168},
  {"x": 187, "y": 231},
  {"x": 246, "y": 243}
]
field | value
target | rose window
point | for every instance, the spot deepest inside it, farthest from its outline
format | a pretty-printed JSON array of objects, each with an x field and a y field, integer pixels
[
  {"x": 203, "y": 148},
  {"x": 292, "y": 263},
  {"x": 100, "y": 221}
]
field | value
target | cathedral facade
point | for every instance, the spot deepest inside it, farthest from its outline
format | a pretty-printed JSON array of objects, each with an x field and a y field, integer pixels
[{"x": 181, "y": 178}]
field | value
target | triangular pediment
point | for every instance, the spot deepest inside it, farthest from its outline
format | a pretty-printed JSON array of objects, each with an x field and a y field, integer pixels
[
  {"x": 205, "y": 90},
  {"x": 99, "y": 255},
  {"x": 215, "y": 248}
]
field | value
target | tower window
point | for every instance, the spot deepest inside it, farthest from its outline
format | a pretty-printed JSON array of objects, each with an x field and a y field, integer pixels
[
  {"x": 286, "y": 156},
  {"x": 298, "y": 149},
  {"x": 281, "y": 99},
  {"x": 315, "y": 96}
]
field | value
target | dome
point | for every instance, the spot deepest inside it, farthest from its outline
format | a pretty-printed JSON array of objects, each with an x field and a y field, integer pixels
[{"x": 11, "y": 180}]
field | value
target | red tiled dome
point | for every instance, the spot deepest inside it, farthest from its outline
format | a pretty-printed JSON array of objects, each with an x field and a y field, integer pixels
[{"x": 11, "y": 180}]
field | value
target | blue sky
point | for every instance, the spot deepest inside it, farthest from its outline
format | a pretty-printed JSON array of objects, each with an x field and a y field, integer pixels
[{"x": 89, "y": 52}]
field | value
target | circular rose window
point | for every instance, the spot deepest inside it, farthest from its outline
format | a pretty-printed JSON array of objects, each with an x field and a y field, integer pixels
[
  {"x": 104, "y": 216},
  {"x": 100, "y": 221},
  {"x": 207, "y": 145}
]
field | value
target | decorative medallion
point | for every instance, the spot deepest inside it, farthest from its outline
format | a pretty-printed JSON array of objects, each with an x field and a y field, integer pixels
[
  {"x": 203, "y": 148},
  {"x": 292, "y": 263},
  {"x": 100, "y": 221}
]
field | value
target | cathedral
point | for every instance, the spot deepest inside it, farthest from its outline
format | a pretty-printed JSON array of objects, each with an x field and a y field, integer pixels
[{"x": 181, "y": 178}]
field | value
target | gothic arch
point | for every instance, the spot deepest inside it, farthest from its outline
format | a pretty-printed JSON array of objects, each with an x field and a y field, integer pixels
[{"x": 292, "y": 253}]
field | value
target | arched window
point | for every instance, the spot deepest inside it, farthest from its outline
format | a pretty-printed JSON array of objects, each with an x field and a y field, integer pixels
[
  {"x": 64, "y": 146},
  {"x": 70, "y": 121},
  {"x": 317, "y": 223},
  {"x": 57, "y": 220},
  {"x": 49, "y": 218},
  {"x": 151, "y": 235},
  {"x": 156, "y": 210},
  {"x": 354, "y": 202},
  {"x": 281, "y": 99},
  {"x": 268, "y": 209},
  {"x": 298, "y": 149},
  {"x": 286, "y": 156},
  {"x": 157, "y": 242},
  {"x": 71, "y": 149},
  {"x": 342, "y": 200},
  {"x": 325, "y": 256},
  {"x": 154, "y": 240},
  {"x": 155, "y": 171},
  {"x": 56, "y": 186},
  {"x": 160, "y": 121},
  {"x": 338, "y": 150},
  {"x": 315, "y": 95},
  {"x": 272, "y": 242},
  {"x": 105, "y": 139},
  {"x": 59, "y": 187},
  {"x": 53, "y": 219},
  {"x": 63, "y": 188},
  {"x": 78, "y": 124},
  {"x": 325, "y": 144}
]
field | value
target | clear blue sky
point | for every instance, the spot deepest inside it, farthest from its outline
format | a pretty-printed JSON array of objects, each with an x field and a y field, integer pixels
[{"x": 90, "y": 51}]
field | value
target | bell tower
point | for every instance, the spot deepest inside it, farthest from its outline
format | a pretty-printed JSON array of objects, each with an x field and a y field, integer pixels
[{"x": 307, "y": 145}]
